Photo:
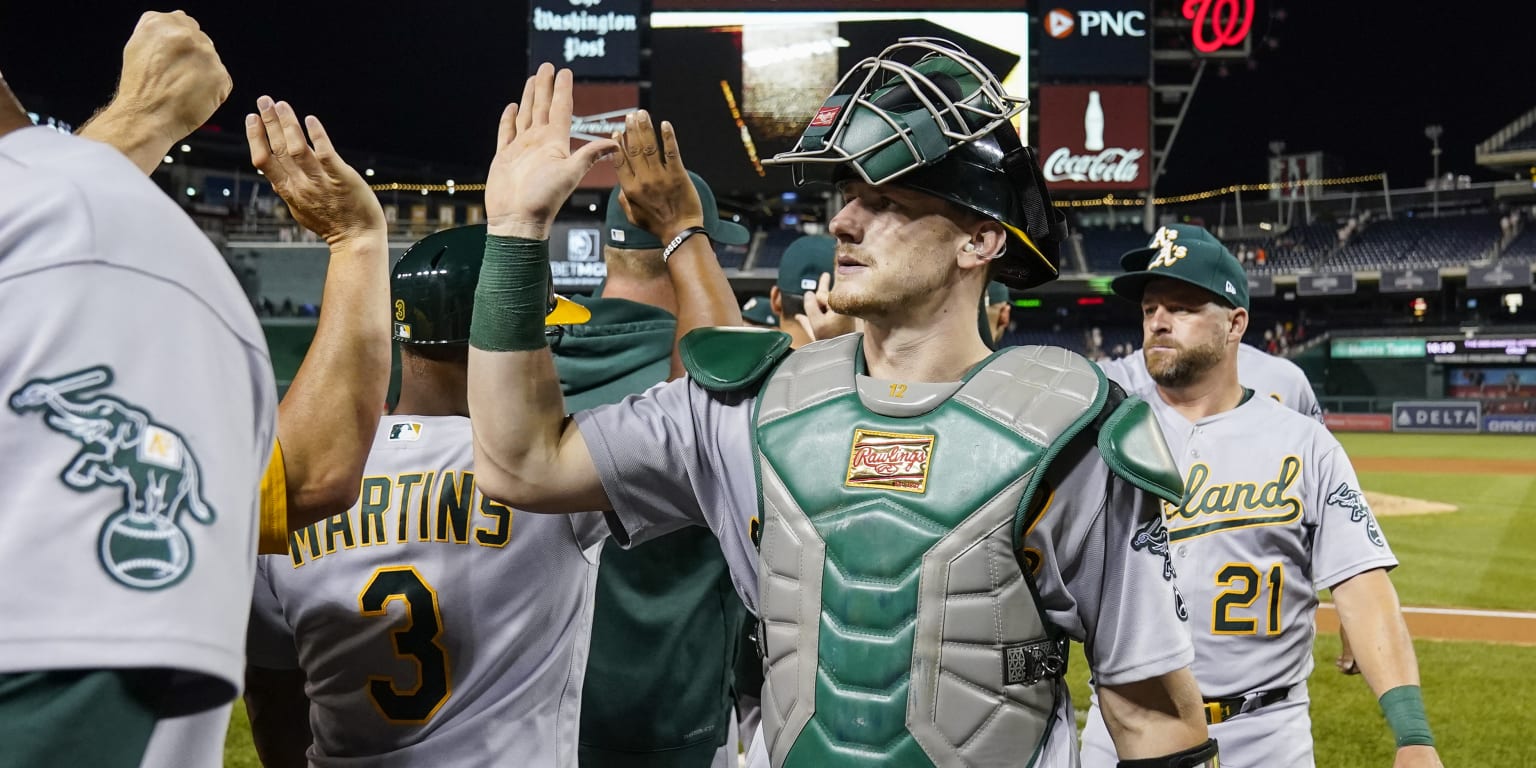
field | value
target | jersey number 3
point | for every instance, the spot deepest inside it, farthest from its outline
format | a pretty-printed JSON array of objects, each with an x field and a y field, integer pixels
[
  {"x": 1244, "y": 584},
  {"x": 420, "y": 641}
]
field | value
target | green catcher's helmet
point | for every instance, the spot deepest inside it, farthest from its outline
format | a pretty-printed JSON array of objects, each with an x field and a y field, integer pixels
[
  {"x": 940, "y": 125},
  {"x": 432, "y": 289}
]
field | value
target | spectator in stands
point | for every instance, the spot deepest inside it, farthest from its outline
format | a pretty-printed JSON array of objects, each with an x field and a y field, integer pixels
[
  {"x": 1259, "y": 256},
  {"x": 1270, "y": 344}
]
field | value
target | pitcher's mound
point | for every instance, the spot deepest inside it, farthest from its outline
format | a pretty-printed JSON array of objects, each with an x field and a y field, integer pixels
[{"x": 1387, "y": 505}]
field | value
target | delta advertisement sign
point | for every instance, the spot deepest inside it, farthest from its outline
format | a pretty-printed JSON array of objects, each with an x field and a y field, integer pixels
[{"x": 1095, "y": 138}]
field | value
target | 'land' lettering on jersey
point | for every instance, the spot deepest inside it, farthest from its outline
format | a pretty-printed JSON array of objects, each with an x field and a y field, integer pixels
[
  {"x": 1215, "y": 507},
  {"x": 410, "y": 506}
]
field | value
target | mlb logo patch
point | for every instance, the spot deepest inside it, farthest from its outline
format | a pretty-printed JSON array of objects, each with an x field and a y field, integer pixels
[
  {"x": 402, "y": 330},
  {"x": 405, "y": 431},
  {"x": 615, "y": 234},
  {"x": 807, "y": 284},
  {"x": 825, "y": 117}
]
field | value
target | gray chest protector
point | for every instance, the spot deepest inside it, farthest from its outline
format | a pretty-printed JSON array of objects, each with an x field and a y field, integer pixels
[{"x": 899, "y": 628}]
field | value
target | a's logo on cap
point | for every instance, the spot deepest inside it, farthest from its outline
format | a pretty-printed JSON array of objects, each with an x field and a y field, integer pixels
[
  {"x": 615, "y": 234},
  {"x": 1059, "y": 23},
  {"x": 825, "y": 116},
  {"x": 1168, "y": 254}
]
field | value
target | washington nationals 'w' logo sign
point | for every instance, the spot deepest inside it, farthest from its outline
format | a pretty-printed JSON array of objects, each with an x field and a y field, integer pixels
[
  {"x": 1152, "y": 537},
  {"x": 1352, "y": 500},
  {"x": 1226, "y": 21},
  {"x": 142, "y": 545}
]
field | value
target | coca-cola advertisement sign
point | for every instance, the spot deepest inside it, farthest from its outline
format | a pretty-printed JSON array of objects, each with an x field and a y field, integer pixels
[{"x": 1095, "y": 137}]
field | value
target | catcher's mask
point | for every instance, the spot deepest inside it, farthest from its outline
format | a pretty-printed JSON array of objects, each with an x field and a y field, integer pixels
[{"x": 940, "y": 125}]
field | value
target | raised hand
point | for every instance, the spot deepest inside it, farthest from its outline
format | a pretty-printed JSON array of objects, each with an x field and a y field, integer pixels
[
  {"x": 172, "y": 81},
  {"x": 655, "y": 189},
  {"x": 534, "y": 169},
  {"x": 324, "y": 194}
]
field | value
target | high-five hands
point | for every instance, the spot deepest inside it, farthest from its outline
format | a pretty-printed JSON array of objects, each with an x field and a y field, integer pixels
[
  {"x": 655, "y": 189},
  {"x": 324, "y": 194},
  {"x": 534, "y": 169}
]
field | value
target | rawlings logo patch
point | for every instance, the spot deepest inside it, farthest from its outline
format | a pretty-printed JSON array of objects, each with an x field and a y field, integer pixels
[
  {"x": 894, "y": 462},
  {"x": 825, "y": 117}
]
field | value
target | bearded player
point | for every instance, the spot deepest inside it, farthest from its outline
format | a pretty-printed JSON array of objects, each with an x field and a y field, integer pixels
[{"x": 1273, "y": 512}]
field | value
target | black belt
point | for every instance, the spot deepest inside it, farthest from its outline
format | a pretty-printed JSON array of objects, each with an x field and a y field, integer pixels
[{"x": 1218, "y": 710}]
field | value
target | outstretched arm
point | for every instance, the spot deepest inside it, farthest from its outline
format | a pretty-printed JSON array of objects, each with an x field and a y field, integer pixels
[
  {"x": 658, "y": 195},
  {"x": 172, "y": 81},
  {"x": 527, "y": 453},
  {"x": 1369, "y": 612},
  {"x": 326, "y": 420}
]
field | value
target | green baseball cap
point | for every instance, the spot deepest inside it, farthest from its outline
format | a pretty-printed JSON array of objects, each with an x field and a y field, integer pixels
[
  {"x": 618, "y": 232},
  {"x": 997, "y": 293},
  {"x": 759, "y": 311},
  {"x": 804, "y": 262},
  {"x": 1188, "y": 253}
]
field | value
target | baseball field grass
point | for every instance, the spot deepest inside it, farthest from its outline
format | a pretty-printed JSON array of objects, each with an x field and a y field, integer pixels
[{"x": 1482, "y": 556}]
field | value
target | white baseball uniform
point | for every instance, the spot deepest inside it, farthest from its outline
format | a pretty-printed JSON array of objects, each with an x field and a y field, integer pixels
[
  {"x": 679, "y": 456},
  {"x": 434, "y": 625},
  {"x": 1274, "y": 513},
  {"x": 1271, "y": 376},
  {"x": 140, "y": 411}
]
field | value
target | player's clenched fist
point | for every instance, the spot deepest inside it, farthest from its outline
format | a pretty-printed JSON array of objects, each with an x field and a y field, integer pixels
[
  {"x": 325, "y": 195},
  {"x": 172, "y": 74},
  {"x": 534, "y": 170}
]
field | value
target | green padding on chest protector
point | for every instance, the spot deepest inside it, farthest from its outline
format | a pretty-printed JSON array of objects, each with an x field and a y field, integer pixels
[
  {"x": 731, "y": 359},
  {"x": 1132, "y": 445}
]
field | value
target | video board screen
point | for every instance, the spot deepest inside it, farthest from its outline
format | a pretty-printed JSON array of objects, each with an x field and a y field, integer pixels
[{"x": 740, "y": 86}]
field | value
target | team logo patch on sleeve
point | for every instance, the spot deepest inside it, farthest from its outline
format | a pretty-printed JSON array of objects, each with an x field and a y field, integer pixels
[
  {"x": 1359, "y": 511},
  {"x": 888, "y": 460},
  {"x": 142, "y": 545},
  {"x": 1152, "y": 538},
  {"x": 406, "y": 431}
]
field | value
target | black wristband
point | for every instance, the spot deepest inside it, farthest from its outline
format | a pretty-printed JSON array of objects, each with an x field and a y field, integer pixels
[
  {"x": 1199, "y": 756},
  {"x": 677, "y": 242}
]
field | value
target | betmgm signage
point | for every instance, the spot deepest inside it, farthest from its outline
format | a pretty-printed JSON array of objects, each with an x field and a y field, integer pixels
[{"x": 595, "y": 39}]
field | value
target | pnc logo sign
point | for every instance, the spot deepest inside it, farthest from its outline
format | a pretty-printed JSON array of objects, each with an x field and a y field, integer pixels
[{"x": 1060, "y": 23}]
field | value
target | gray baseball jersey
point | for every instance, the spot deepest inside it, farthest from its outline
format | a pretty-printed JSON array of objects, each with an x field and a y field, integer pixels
[
  {"x": 139, "y": 412},
  {"x": 679, "y": 456},
  {"x": 1274, "y": 513},
  {"x": 434, "y": 625},
  {"x": 1274, "y": 377}
]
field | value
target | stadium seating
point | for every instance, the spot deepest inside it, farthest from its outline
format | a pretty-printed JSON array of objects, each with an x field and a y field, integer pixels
[{"x": 1420, "y": 242}]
